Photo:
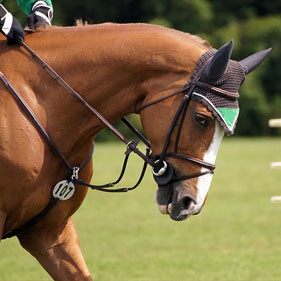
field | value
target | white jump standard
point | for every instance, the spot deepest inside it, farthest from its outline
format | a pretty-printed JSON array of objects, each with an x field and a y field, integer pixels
[{"x": 274, "y": 123}]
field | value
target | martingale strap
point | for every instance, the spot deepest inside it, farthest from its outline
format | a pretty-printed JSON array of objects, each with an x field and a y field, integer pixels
[{"x": 32, "y": 221}]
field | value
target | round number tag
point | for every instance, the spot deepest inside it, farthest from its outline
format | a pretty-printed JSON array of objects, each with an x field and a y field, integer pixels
[{"x": 64, "y": 190}]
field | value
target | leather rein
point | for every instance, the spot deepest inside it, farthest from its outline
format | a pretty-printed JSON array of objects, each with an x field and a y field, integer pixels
[{"x": 162, "y": 170}]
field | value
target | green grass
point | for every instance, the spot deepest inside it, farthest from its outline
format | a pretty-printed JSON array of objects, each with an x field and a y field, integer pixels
[{"x": 124, "y": 237}]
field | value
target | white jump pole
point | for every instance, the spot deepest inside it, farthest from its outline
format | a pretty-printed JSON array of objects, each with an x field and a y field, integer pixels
[
  {"x": 274, "y": 123},
  {"x": 275, "y": 165},
  {"x": 276, "y": 199}
]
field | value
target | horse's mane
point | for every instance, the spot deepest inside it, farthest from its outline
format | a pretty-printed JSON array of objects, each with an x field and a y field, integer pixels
[
  {"x": 138, "y": 44},
  {"x": 130, "y": 26}
]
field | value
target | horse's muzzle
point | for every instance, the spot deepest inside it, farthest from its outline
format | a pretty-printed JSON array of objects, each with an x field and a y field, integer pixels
[{"x": 174, "y": 200}]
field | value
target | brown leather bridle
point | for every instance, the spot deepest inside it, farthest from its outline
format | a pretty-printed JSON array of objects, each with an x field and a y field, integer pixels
[{"x": 163, "y": 171}]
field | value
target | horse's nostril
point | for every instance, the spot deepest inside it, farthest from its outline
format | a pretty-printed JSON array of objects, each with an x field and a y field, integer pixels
[
  {"x": 183, "y": 208},
  {"x": 188, "y": 202}
]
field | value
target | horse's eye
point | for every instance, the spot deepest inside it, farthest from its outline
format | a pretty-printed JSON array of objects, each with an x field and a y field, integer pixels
[{"x": 202, "y": 119}]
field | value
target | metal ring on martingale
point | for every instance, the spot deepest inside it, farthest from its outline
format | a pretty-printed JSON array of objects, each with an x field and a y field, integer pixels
[{"x": 128, "y": 144}]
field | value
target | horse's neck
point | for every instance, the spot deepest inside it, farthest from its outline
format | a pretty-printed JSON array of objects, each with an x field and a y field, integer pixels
[
  {"x": 114, "y": 70},
  {"x": 98, "y": 69}
]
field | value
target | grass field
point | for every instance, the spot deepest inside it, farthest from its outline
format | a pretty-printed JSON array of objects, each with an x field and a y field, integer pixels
[{"x": 124, "y": 237}]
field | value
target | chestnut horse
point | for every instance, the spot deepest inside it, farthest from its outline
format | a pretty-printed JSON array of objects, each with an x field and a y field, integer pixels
[{"x": 118, "y": 69}]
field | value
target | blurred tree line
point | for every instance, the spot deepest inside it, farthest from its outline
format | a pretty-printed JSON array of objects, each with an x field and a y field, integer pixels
[{"x": 253, "y": 24}]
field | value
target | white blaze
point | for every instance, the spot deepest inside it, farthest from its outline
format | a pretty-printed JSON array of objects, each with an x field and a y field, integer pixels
[{"x": 204, "y": 182}]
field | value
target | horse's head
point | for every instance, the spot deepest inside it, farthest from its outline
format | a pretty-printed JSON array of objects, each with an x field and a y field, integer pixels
[{"x": 186, "y": 129}]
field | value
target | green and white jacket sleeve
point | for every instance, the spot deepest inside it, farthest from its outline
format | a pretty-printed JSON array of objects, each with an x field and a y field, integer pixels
[{"x": 26, "y": 5}]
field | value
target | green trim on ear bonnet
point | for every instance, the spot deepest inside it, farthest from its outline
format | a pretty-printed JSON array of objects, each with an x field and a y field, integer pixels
[{"x": 229, "y": 116}]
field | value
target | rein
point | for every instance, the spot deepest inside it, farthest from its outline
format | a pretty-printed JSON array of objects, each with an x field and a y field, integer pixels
[{"x": 72, "y": 92}]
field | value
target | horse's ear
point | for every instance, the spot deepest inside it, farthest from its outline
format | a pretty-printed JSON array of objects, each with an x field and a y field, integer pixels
[
  {"x": 218, "y": 65},
  {"x": 251, "y": 62}
]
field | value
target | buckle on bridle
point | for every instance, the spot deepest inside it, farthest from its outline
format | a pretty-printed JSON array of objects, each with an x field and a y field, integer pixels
[{"x": 74, "y": 175}]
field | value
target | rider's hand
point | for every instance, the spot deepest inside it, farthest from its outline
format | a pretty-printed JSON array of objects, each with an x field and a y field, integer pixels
[
  {"x": 41, "y": 15},
  {"x": 10, "y": 27}
]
